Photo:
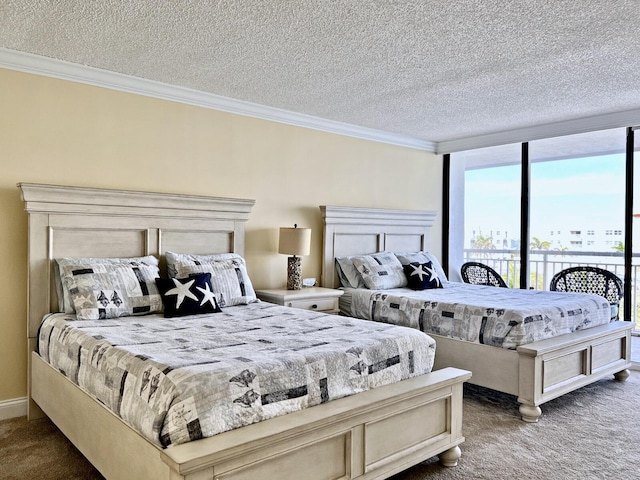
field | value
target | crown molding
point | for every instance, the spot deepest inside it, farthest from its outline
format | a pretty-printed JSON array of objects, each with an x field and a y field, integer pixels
[
  {"x": 73, "y": 72},
  {"x": 627, "y": 118}
]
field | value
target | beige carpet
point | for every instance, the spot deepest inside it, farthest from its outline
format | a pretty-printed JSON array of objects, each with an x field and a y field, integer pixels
[{"x": 593, "y": 433}]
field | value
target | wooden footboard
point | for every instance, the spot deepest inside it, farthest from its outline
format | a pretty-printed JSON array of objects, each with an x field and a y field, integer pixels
[
  {"x": 540, "y": 371},
  {"x": 553, "y": 367},
  {"x": 370, "y": 435}
]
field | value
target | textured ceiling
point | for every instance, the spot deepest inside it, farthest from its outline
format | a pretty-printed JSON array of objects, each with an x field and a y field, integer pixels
[{"x": 433, "y": 70}]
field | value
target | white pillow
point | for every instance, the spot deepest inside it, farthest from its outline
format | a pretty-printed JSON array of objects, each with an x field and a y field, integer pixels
[
  {"x": 380, "y": 272},
  {"x": 422, "y": 257}
]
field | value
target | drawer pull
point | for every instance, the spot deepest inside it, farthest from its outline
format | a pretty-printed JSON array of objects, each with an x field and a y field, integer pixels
[{"x": 314, "y": 306}]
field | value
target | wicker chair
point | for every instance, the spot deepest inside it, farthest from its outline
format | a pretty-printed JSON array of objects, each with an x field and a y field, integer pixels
[
  {"x": 480, "y": 274},
  {"x": 592, "y": 280}
]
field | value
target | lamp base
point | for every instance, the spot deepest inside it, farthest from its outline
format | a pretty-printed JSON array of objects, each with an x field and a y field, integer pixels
[{"x": 294, "y": 273}]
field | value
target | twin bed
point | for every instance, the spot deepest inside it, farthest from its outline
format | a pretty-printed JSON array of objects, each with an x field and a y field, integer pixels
[
  {"x": 534, "y": 345},
  {"x": 288, "y": 393}
]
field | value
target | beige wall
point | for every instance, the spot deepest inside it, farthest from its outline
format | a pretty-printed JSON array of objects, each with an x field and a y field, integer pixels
[{"x": 58, "y": 132}]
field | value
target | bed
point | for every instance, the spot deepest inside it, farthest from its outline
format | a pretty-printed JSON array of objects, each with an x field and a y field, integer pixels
[
  {"x": 356, "y": 436},
  {"x": 534, "y": 372}
]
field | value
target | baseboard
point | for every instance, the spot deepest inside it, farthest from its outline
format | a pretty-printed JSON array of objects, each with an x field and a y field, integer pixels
[{"x": 16, "y": 407}]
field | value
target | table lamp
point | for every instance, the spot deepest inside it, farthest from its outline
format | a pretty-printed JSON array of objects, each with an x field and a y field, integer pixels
[{"x": 294, "y": 241}]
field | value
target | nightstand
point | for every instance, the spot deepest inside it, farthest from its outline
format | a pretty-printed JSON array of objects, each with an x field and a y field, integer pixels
[{"x": 309, "y": 298}]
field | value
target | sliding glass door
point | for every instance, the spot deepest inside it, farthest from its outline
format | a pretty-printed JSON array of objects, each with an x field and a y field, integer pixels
[
  {"x": 577, "y": 205},
  {"x": 492, "y": 209}
]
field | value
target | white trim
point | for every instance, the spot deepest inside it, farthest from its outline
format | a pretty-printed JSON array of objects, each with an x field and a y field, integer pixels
[
  {"x": 569, "y": 127},
  {"x": 38, "y": 65},
  {"x": 16, "y": 407},
  {"x": 49, "y": 67}
]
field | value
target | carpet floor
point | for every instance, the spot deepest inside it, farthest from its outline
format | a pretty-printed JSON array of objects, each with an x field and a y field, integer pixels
[{"x": 593, "y": 433}]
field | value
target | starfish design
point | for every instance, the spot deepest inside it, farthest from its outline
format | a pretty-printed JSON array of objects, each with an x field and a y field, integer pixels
[
  {"x": 182, "y": 291},
  {"x": 208, "y": 296},
  {"x": 419, "y": 271},
  {"x": 433, "y": 275}
]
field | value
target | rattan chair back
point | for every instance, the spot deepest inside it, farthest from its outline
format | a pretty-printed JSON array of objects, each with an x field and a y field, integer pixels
[
  {"x": 588, "y": 279},
  {"x": 480, "y": 274}
]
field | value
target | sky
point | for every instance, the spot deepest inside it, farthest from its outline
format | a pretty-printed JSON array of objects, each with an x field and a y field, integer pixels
[{"x": 578, "y": 193}]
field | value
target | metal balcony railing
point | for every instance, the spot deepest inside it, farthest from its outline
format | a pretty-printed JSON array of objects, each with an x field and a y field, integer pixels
[{"x": 544, "y": 264}]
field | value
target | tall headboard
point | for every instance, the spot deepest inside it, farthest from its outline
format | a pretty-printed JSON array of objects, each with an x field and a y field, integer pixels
[
  {"x": 91, "y": 222},
  {"x": 356, "y": 230}
]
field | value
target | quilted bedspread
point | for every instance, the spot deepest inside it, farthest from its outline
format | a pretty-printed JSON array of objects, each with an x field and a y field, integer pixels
[
  {"x": 502, "y": 317},
  {"x": 176, "y": 380}
]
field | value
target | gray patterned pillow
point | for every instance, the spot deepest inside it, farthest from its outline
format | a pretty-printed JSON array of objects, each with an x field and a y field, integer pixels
[
  {"x": 112, "y": 290},
  {"x": 349, "y": 274},
  {"x": 191, "y": 258},
  {"x": 63, "y": 266},
  {"x": 381, "y": 271},
  {"x": 229, "y": 279},
  {"x": 422, "y": 257}
]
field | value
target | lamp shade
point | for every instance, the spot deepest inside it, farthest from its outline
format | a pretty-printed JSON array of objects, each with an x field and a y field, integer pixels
[{"x": 295, "y": 241}]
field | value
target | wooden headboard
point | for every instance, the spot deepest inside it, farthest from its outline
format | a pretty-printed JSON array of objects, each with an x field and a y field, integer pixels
[
  {"x": 355, "y": 230},
  {"x": 90, "y": 222}
]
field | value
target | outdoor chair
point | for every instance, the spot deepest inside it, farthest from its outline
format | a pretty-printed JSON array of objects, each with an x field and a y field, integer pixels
[
  {"x": 592, "y": 280},
  {"x": 480, "y": 274}
]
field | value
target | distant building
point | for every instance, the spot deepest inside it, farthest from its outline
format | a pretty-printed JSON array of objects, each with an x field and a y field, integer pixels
[{"x": 584, "y": 239}]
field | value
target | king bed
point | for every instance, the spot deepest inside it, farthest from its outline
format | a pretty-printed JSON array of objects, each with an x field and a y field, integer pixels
[
  {"x": 534, "y": 345},
  {"x": 286, "y": 390}
]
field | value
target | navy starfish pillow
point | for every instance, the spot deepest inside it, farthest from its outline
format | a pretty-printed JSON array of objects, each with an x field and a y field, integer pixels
[
  {"x": 187, "y": 296},
  {"x": 421, "y": 276}
]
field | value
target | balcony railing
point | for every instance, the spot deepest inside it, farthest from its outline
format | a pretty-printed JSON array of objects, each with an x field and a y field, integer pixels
[{"x": 544, "y": 264}]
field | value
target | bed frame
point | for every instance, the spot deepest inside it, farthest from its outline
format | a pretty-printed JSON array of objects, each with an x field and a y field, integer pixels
[
  {"x": 536, "y": 372},
  {"x": 369, "y": 435}
]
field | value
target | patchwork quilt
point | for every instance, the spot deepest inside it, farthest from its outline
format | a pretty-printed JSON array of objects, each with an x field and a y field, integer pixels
[
  {"x": 501, "y": 317},
  {"x": 180, "y": 379}
]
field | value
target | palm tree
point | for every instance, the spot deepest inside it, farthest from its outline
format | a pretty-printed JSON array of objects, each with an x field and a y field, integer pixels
[
  {"x": 619, "y": 247},
  {"x": 537, "y": 244},
  {"x": 484, "y": 242}
]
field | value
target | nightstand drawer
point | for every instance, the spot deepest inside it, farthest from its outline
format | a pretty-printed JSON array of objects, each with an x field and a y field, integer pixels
[
  {"x": 319, "y": 304},
  {"x": 316, "y": 299}
]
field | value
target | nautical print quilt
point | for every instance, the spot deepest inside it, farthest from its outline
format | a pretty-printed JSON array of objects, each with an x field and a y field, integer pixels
[
  {"x": 180, "y": 379},
  {"x": 501, "y": 317}
]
